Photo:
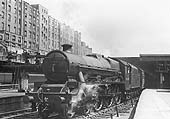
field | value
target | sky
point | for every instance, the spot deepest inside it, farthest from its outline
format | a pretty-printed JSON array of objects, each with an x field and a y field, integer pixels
[{"x": 116, "y": 28}]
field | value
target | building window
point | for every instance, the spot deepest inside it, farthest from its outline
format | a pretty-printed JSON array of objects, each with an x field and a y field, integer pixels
[
  {"x": 37, "y": 29},
  {"x": 48, "y": 33},
  {"x": 20, "y": 12},
  {"x": 1, "y": 37},
  {"x": 19, "y": 39},
  {"x": 30, "y": 25},
  {"x": 8, "y": 28},
  {"x": 13, "y": 38},
  {"x": 19, "y": 30},
  {"x": 25, "y": 34},
  {"x": 20, "y": 4},
  {"x": 20, "y": 21},
  {"x": 2, "y": 26},
  {"x": 25, "y": 23},
  {"x": 30, "y": 17},
  {"x": 33, "y": 44},
  {"x": 15, "y": 2},
  {"x": 15, "y": 19},
  {"x": 15, "y": 30},
  {"x": 25, "y": 7},
  {"x": 9, "y": 17},
  {"x": 7, "y": 36},
  {"x": 19, "y": 45},
  {"x": 34, "y": 19},
  {"x": 29, "y": 46},
  {"x": 25, "y": 15},
  {"x": 30, "y": 34},
  {"x": 15, "y": 10},
  {"x": 33, "y": 36},
  {"x": 37, "y": 20},
  {"x": 34, "y": 28},
  {"x": 42, "y": 34},
  {"x": 42, "y": 17},
  {"x": 13, "y": 45},
  {"x": 34, "y": 11},
  {"x": 9, "y": 8},
  {"x": 3, "y": 5},
  {"x": 25, "y": 43},
  {"x": 3, "y": 14}
]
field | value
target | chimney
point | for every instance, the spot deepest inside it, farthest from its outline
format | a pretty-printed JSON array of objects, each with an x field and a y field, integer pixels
[{"x": 67, "y": 47}]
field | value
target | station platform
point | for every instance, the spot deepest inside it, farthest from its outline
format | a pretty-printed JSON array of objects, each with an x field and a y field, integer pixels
[
  {"x": 10, "y": 93},
  {"x": 11, "y": 100},
  {"x": 153, "y": 104}
]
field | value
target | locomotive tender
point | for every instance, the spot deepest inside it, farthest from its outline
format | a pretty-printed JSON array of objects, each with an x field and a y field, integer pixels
[{"x": 77, "y": 84}]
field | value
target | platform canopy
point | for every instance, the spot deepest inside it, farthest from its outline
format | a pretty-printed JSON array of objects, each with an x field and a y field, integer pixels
[{"x": 154, "y": 57}]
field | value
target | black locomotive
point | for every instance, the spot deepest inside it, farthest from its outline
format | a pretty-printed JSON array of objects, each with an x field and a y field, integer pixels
[{"x": 78, "y": 84}]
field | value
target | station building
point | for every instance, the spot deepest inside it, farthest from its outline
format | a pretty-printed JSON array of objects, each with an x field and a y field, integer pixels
[{"x": 156, "y": 67}]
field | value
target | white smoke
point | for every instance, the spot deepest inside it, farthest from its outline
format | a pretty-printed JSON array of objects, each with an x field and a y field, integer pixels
[{"x": 85, "y": 91}]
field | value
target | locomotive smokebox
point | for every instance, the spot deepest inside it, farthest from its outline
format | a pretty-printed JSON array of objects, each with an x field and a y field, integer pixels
[{"x": 67, "y": 47}]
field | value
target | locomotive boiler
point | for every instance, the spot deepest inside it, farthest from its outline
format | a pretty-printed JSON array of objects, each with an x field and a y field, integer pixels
[{"x": 78, "y": 84}]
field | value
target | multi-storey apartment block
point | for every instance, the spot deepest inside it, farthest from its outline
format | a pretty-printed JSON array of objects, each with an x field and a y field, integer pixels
[
  {"x": 53, "y": 34},
  {"x": 84, "y": 50},
  {"x": 31, "y": 28},
  {"x": 88, "y": 50},
  {"x": 62, "y": 35},
  {"x": 11, "y": 24},
  {"x": 43, "y": 43},
  {"x": 77, "y": 43},
  {"x": 25, "y": 27},
  {"x": 2, "y": 18},
  {"x": 71, "y": 36}
]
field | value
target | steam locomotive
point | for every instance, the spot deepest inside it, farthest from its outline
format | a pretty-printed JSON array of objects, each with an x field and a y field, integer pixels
[{"x": 78, "y": 84}]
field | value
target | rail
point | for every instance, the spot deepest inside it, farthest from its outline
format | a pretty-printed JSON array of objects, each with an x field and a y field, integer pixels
[{"x": 16, "y": 113}]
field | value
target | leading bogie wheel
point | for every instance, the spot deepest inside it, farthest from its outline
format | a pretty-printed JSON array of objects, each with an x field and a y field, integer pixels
[
  {"x": 109, "y": 101},
  {"x": 98, "y": 105},
  {"x": 87, "y": 109}
]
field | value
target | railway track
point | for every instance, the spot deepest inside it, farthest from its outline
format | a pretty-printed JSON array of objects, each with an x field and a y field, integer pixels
[
  {"x": 19, "y": 114},
  {"x": 106, "y": 113}
]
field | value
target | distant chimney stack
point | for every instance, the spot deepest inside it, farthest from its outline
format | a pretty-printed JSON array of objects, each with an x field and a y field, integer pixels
[{"x": 67, "y": 47}]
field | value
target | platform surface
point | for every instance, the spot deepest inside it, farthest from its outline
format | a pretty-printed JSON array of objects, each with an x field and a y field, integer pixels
[
  {"x": 153, "y": 104},
  {"x": 10, "y": 93}
]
